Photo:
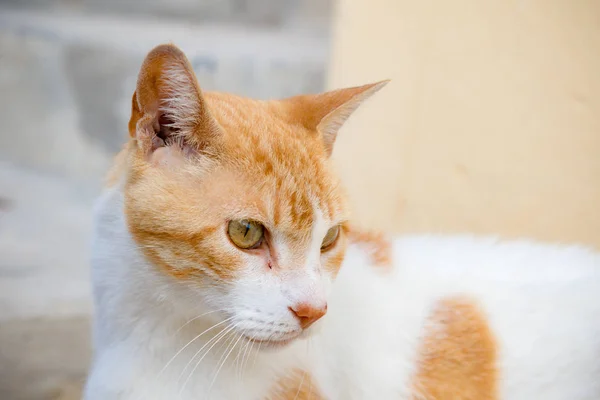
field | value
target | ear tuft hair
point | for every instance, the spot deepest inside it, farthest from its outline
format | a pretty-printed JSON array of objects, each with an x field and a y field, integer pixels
[{"x": 167, "y": 106}]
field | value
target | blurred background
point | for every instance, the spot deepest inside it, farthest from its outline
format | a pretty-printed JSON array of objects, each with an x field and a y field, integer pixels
[{"x": 491, "y": 125}]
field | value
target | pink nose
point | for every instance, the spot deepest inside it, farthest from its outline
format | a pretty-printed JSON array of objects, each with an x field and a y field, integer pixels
[{"x": 308, "y": 314}]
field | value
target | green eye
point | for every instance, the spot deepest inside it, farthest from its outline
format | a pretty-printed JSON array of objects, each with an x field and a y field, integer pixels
[
  {"x": 245, "y": 234},
  {"x": 330, "y": 237}
]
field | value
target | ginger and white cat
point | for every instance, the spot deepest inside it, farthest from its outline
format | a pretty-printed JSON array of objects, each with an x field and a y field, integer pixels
[{"x": 224, "y": 267}]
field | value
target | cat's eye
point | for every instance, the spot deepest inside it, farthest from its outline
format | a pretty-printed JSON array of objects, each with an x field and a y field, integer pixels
[
  {"x": 245, "y": 234},
  {"x": 330, "y": 237}
]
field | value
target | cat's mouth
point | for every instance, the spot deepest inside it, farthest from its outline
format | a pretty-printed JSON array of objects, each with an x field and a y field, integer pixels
[{"x": 271, "y": 344}]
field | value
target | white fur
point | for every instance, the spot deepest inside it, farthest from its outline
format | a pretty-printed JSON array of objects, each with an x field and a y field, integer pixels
[{"x": 543, "y": 304}]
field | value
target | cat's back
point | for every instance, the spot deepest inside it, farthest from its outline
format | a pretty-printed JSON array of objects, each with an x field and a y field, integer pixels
[
  {"x": 530, "y": 309},
  {"x": 493, "y": 259},
  {"x": 473, "y": 318}
]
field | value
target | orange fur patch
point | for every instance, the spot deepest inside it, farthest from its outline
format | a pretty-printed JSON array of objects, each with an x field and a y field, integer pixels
[
  {"x": 118, "y": 168},
  {"x": 458, "y": 355},
  {"x": 375, "y": 244},
  {"x": 296, "y": 385}
]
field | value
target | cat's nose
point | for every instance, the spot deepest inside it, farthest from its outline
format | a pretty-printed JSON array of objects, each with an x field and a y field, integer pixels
[{"x": 308, "y": 313}]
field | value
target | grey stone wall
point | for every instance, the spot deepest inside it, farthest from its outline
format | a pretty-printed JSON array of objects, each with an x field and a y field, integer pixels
[
  {"x": 75, "y": 72},
  {"x": 314, "y": 14}
]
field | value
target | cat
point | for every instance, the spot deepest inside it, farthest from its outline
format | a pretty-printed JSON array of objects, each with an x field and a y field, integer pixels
[
  {"x": 216, "y": 239},
  {"x": 224, "y": 266}
]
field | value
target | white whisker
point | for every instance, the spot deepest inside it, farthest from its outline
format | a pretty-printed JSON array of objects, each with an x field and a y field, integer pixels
[
  {"x": 222, "y": 335},
  {"x": 223, "y": 363},
  {"x": 257, "y": 350},
  {"x": 247, "y": 357},
  {"x": 239, "y": 359},
  {"x": 189, "y": 343},
  {"x": 212, "y": 340},
  {"x": 300, "y": 386},
  {"x": 199, "y": 316}
]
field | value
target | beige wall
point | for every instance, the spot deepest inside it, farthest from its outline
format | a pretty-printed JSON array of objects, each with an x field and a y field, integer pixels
[{"x": 491, "y": 123}]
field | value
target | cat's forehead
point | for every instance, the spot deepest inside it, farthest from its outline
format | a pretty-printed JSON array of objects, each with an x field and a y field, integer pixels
[{"x": 285, "y": 161}]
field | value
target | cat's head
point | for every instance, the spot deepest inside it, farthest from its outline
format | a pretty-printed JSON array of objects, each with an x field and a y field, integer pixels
[{"x": 235, "y": 198}]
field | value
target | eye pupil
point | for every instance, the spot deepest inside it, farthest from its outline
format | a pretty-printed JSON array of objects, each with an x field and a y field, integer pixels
[{"x": 245, "y": 234}]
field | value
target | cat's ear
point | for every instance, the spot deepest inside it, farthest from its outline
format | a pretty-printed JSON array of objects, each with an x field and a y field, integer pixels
[
  {"x": 327, "y": 112},
  {"x": 168, "y": 109}
]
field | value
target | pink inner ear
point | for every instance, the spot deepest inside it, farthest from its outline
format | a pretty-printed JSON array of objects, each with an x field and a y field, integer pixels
[
  {"x": 167, "y": 156},
  {"x": 168, "y": 147}
]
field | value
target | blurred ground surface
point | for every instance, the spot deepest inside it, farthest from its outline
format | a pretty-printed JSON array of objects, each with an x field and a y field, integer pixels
[{"x": 67, "y": 71}]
